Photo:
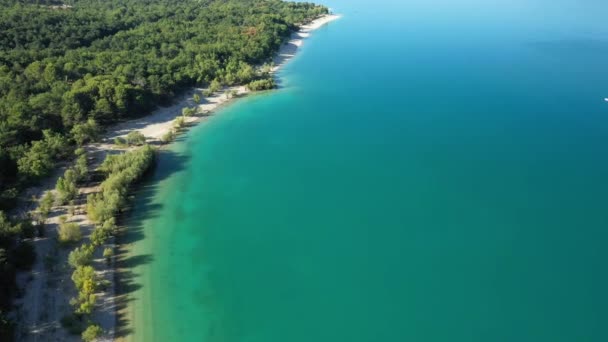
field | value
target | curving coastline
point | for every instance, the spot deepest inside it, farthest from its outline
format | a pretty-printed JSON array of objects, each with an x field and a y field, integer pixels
[
  {"x": 161, "y": 121},
  {"x": 40, "y": 304}
]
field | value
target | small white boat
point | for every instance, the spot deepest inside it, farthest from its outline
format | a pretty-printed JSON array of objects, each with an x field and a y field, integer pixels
[{"x": 606, "y": 99}]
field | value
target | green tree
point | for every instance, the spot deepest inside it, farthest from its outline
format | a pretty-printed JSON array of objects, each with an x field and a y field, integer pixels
[
  {"x": 81, "y": 167},
  {"x": 108, "y": 253},
  {"x": 87, "y": 131},
  {"x": 45, "y": 205},
  {"x": 215, "y": 86},
  {"x": 91, "y": 333},
  {"x": 69, "y": 232},
  {"x": 188, "y": 111},
  {"x": 263, "y": 84},
  {"x": 168, "y": 137},
  {"x": 179, "y": 122},
  {"x": 81, "y": 256},
  {"x": 66, "y": 186},
  {"x": 135, "y": 138}
]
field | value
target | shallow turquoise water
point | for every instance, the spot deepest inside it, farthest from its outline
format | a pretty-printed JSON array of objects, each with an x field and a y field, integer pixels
[{"x": 430, "y": 171}]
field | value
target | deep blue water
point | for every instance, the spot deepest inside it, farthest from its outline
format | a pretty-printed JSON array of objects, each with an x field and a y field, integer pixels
[{"x": 430, "y": 171}]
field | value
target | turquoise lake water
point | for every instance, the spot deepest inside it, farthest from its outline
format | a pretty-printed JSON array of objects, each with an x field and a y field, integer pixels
[{"x": 429, "y": 171}]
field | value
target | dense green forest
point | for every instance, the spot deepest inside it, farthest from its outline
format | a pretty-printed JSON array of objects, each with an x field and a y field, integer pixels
[
  {"x": 67, "y": 71},
  {"x": 69, "y": 68}
]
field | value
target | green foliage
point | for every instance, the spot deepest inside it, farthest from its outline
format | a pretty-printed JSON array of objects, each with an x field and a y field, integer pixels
[
  {"x": 120, "y": 142},
  {"x": 102, "y": 232},
  {"x": 231, "y": 93},
  {"x": 66, "y": 186},
  {"x": 86, "y": 283},
  {"x": 85, "y": 279},
  {"x": 135, "y": 138},
  {"x": 38, "y": 160},
  {"x": 26, "y": 227},
  {"x": 263, "y": 84},
  {"x": 266, "y": 69},
  {"x": 108, "y": 253},
  {"x": 188, "y": 111},
  {"x": 85, "y": 132},
  {"x": 91, "y": 333},
  {"x": 81, "y": 167},
  {"x": 45, "y": 205},
  {"x": 196, "y": 98},
  {"x": 69, "y": 72},
  {"x": 215, "y": 86},
  {"x": 81, "y": 256},
  {"x": 15, "y": 254},
  {"x": 179, "y": 122},
  {"x": 122, "y": 170},
  {"x": 168, "y": 137},
  {"x": 8, "y": 231},
  {"x": 69, "y": 232}
]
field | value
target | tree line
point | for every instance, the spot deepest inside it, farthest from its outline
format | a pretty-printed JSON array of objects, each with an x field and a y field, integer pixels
[
  {"x": 103, "y": 208},
  {"x": 67, "y": 72}
]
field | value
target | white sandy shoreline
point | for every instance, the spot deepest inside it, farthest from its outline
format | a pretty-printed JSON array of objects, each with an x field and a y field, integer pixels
[
  {"x": 159, "y": 122},
  {"x": 43, "y": 304}
]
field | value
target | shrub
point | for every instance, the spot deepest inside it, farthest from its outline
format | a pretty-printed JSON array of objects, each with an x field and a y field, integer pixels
[
  {"x": 86, "y": 282},
  {"x": 102, "y": 232},
  {"x": 231, "y": 93},
  {"x": 108, "y": 253},
  {"x": 179, "y": 122},
  {"x": 81, "y": 256},
  {"x": 135, "y": 138},
  {"x": 215, "y": 86},
  {"x": 69, "y": 232},
  {"x": 66, "y": 186},
  {"x": 263, "y": 84},
  {"x": 72, "y": 208},
  {"x": 189, "y": 111},
  {"x": 91, "y": 333},
  {"x": 81, "y": 167},
  {"x": 27, "y": 228},
  {"x": 168, "y": 137},
  {"x": 45, "y": 206},
  {"x": 84, "y": 132},
  {"x": 85, "y": 303},
  {"x": 120, "y": 142}
]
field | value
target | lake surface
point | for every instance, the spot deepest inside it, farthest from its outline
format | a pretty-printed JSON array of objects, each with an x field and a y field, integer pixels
[{"x": 429, "y": 171}]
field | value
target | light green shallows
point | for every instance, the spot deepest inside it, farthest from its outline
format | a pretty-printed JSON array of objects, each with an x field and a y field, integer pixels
[{"x": 431, "y": 171}]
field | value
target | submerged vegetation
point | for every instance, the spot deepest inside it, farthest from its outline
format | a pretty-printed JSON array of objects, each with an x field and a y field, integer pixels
[{"x": 67, "y": 71}]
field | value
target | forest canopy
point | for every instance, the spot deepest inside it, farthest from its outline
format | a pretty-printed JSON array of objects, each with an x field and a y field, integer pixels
[{"x": 66, "y": 70}]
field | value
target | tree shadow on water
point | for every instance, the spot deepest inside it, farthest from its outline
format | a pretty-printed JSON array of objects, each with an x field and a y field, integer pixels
[
  {"x": 126, "y": 284},
  {"x": 143, "y": 208}
]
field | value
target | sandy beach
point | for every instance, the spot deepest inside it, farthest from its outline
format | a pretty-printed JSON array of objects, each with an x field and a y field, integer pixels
[{"x": 48, "y": 288}]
